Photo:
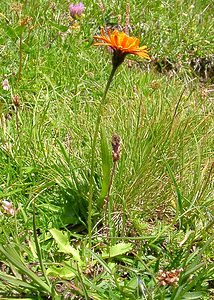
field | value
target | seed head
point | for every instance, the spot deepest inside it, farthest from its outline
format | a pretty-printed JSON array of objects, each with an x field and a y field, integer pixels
[
  {"x": 167, "y": 278},
  {"x": 16, "y": 100},
  {"x": 116, "y": 151}
]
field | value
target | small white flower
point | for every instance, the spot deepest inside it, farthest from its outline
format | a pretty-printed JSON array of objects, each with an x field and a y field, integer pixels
[
  {"x": 8, "y": 207},
  {"x": 5, "y": 85}
]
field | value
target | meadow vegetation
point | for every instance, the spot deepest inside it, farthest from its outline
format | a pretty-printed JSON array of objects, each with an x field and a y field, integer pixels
[{"x": 148, "y": 233}]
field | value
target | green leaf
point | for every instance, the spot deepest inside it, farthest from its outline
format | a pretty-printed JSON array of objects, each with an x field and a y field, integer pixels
[
  {"x": 193, "y": 268},
  {"x": 64, "y": 272},
  {"x": 7, "y": 194},
  {"x": 116, "y": 250},
  {"x": 193, "y": 295},
  {"x": 59, "y": 27},
  {"x": 64, "y": 244},
  {"x": 179, "y": 204},
  {"x": 13, "y": 257},
  {"x": 16, "y": 282},
  {"x": 106, "y": 166},
  {"x": 13, "y": 33},
  {"x": 101, "y": 261},
  {"x": 50, "y": 207}
]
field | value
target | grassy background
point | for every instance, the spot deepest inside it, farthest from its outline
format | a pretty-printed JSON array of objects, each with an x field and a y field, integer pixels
[{"x": 161, "y": 200}]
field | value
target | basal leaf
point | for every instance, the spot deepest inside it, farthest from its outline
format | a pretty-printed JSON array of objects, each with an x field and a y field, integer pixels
[
  {"x": 64, "y": 244},
  {"x": 63, "y": 272},
  {"x": 118, "y": 249}
]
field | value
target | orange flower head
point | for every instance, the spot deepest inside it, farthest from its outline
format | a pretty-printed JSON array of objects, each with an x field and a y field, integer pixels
[{"x": 121, "y": 44}]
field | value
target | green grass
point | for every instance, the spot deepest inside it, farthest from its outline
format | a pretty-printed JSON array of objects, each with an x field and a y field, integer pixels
[{"x": 160, "y": 210}]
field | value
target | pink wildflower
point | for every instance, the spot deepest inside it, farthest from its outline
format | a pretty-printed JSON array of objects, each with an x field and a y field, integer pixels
[
  {"x": 76, "y": 10},
  {"x": 8, "y": 207},
  {"x": 5, "y": 85}
]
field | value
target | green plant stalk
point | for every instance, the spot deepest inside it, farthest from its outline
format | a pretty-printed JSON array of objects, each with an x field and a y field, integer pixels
[
  {"x": 20, "y": 54},
  {"x": 94, "y": 142},
  {"x": 108, "y": 203},
  {"x": 110, "y": 185},
  {"x": 110, "y": 225},
  {"x": 38, "y": 249}
]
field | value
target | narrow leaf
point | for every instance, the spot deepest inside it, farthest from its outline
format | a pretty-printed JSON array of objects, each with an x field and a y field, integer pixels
[
  {"x": 106, "y": 166},
  {"x": 13, "y": 257},
  {"x": 17, "y": 282},
  {"x": 179, "y": 206}
]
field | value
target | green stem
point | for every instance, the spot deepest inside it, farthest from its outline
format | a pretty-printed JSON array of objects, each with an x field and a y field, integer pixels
[
  {"x": 94, "y": 142},
  {"x": 20, "y": 53},
  {"x": 38, "y": 249}
]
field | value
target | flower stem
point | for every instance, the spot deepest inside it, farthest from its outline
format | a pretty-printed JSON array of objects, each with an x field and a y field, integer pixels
[
  {"x": 38, "y": 248},
  {"x": 94, "y": 142},
  {"x": 110, "y": 185},
  {"x": 20, "y": 54}
]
